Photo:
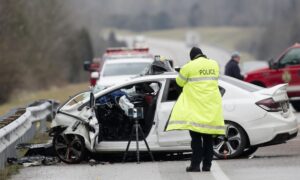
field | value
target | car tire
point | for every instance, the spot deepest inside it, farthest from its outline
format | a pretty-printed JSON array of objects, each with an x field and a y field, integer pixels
[
  {"x": 249, "y": 151},
  {"x": 296, "y": 105},
  {"x": 69, "y": 148},
  {"x": 231, "y": 145}
]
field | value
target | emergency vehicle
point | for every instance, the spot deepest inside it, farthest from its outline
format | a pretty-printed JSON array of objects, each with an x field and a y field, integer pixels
[
  {"x": 284, "y": 69},
  {"x": 117, "y": 65}
]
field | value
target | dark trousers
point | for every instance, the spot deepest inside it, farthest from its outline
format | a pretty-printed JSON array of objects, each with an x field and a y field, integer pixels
[{"x": 202, "y": 148}]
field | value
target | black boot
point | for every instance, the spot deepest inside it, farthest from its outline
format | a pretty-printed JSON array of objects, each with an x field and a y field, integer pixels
[
  {"x": 206, "y": 169},
  {"x": 192, "y": 169}
]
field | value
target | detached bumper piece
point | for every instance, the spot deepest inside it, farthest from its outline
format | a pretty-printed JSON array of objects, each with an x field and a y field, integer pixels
[
  {"x": 33, "y": 161},
  {"x": 36, "y": 155},
  {"x": 37, "y": 149}
]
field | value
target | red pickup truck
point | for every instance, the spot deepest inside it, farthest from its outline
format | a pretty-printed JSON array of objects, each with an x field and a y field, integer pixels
[{"x": 284, "y": 69}]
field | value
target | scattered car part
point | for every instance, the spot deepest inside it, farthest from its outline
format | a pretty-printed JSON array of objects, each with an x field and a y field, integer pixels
[
  {"x": 37, "y": 149},
  {"x": 34, "y": 161}
]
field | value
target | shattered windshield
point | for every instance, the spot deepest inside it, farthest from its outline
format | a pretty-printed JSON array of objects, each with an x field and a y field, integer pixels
[{"x": 82, "y": 97}]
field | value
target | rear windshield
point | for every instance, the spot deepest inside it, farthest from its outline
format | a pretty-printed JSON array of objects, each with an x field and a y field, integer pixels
[{"x": 241, "y": 84}]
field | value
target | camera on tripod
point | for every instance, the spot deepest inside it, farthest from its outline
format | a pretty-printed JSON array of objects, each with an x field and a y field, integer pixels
[{"x": 136, "y": 114}]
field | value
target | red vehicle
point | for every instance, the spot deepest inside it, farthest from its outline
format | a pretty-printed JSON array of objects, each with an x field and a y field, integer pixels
[{"x": 284, "y": 69}]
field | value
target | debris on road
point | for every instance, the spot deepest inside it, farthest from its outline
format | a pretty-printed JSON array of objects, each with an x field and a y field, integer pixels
[
  {"x": 37, "y": 149},
  {"x": 36, "y": 155},
  {"x": 33, "y": 161},
  {"x": 93, "y": 162}
]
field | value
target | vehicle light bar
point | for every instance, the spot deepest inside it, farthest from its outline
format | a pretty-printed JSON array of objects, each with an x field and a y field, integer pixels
[{"x": 128, "y": 50}]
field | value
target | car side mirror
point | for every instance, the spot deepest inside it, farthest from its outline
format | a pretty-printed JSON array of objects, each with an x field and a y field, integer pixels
[
  {"x": 171, "y": 63},
  {"x": 272, "y": 64},
  {"x": 86, "y": 65}
]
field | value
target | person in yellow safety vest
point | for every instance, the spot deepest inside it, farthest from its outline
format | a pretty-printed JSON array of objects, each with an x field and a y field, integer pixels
[{"x": 199, "y": 108}]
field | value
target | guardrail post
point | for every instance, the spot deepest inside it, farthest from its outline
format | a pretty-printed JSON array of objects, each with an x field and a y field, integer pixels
[{"x": 22, "y": 128}]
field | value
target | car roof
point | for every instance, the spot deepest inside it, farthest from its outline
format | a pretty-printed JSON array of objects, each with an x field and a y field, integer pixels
[
  {"x": 223, "y": 79},
  {"x": 241, "y": 85}
]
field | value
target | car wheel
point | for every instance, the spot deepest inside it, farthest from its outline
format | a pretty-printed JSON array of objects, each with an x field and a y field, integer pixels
[
  {"x": 233, "y": 144},
  {"x": 247, "y": 152},
  {"x": 296, "y": 105},
  {"x": 69, "y": 148}
]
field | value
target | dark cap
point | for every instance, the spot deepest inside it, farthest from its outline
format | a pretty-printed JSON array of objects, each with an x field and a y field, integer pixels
[
  {"x": 195, "y": 52},
  {"x": 235, "y": 54}
]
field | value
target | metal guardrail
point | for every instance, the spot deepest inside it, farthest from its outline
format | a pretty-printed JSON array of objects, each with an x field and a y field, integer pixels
[{"x": 20, "y": 125}]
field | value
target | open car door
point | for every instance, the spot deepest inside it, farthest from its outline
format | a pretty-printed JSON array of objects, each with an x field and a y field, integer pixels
[{"x": 170, "y": 138}]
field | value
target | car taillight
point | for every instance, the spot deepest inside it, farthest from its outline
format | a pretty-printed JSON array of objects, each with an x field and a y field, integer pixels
[
  {"x": 269, "y": 105},
  {"x": 94, "y": 77}
]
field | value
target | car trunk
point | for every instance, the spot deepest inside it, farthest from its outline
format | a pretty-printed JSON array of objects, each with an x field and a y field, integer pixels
[{"x": 275, "y": 99}]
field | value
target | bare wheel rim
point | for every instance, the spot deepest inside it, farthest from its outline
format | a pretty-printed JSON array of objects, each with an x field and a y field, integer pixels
[
  {"x": 228, "y": 144},
  {"x": 68, "y": 147}
]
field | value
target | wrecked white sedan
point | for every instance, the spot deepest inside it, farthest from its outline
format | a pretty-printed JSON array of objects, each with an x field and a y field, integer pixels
[{"x": 255, "y": 117}]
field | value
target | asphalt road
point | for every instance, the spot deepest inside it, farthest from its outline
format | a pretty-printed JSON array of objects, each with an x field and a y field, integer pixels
[
  {"x": 274, "y": 162},
  {"x": 278, "y": 162},
  {"x": 179, "y": 52}
]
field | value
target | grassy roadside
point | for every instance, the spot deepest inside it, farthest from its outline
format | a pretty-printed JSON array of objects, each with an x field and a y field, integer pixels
[
  {"x": 40, "y": 137},
  {"x": 9, "y": 171},
  {"x": 57, "y": 93}
]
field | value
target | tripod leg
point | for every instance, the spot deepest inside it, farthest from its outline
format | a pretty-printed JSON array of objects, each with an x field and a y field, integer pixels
[
  {"x": 146, "y": 143},
  {"x": 128, "y": 144},
  {"x": 137, "y": 143}
]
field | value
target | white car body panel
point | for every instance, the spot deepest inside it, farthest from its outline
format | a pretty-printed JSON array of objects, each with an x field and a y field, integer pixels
[{"x": 238, "y": 106}]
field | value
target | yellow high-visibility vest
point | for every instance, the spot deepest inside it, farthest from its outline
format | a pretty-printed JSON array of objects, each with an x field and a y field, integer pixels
[{"x": 199, "y": 107}]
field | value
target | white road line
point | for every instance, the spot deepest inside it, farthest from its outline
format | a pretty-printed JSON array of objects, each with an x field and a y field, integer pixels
[
  {"x": 201, "y": 175},
  {"x": 217, "y": 172}
]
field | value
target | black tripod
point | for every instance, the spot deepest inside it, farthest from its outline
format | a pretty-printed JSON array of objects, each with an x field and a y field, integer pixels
[{"x": 137, "y": 128}]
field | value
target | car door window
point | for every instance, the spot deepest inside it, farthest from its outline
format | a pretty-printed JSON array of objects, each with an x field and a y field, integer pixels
[
  {"x": 172, "y": 91},
  {"x": 290, "y": 58},
  {"x": 114, "y": 110},
  {"x": 222, "y": 90}
]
